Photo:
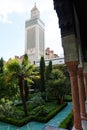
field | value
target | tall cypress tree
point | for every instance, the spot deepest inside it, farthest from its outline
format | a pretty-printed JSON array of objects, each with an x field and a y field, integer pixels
[
  {"x": 50, "y": 66},
  {"x": 48, "y": 70},
  {"x": 42, "y": 77},
  {"x": 1, "y": 65}
]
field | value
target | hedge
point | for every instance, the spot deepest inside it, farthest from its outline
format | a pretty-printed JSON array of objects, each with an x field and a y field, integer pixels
[
  {"x": 50, "y": 115},
  {"x": 16, "y": 122},
  {"x": 25, "y": 120},
  {"x": 67, "y": 123}
]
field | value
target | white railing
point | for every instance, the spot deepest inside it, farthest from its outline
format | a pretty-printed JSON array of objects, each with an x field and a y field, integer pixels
[{"x": 54, "y": 61}]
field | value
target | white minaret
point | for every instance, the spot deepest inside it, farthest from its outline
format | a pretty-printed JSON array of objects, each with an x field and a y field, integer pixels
[{"x": 34, "y": 36}]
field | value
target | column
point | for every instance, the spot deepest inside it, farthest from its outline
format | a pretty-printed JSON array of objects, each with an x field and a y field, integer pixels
[
  {"x": 85, "y": 78},
  {"x": 80, "y": 70},
  {"x": 71, "y": 60},
  {"x": 85, "y": 82},
  {"x": 81, "y": 93},
  {"x": 73, "y": 68},
  {"x": 65, "y": 13}
]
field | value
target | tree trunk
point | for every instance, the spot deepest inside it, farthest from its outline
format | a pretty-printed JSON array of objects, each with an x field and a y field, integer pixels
[
  {"x": 22, "y": 94},
  {"x": 26, "y": 89}
]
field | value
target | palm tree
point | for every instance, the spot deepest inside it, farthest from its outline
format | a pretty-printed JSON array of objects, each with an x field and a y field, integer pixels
[{"x": 21, "y": 71}]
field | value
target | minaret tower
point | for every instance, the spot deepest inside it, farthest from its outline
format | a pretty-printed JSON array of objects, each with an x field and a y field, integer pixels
[{"x": 34, "y": 36}]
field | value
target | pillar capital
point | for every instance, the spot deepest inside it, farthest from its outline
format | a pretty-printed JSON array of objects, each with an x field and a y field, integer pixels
[
  {"x": 85, "y": 78},
  {"x": 85, "y": 74},
  {"x": 70, "y": 48},
  {"x": 72, "y": 67},
  {"x": 80, "y": 71},
  {"x": 72, "y": 63},
  {"x": 85, "y": 67}
]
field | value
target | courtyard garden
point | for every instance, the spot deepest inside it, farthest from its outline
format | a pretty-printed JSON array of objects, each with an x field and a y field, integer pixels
[{"x": 29, "y": 93}]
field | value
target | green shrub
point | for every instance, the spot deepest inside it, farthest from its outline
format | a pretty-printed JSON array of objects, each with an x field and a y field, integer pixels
[
  {"x": 37, "y": 100},
  {"x": 68, "y": 98},
  {"x": 6, "y": 110},
  {"x": 40, "y": 111},
  {"x": 43, "y": 111},
  {"x": 18, "y": 114},
  {"x": 16, "y": 122},
  {"x": 50, "y": 114},
  {"x": 67, "y": 123}
]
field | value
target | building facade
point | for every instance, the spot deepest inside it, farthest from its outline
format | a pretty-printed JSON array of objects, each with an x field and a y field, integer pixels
[
  {"x": 34, "y": 36},
  {"x": 49, "y": 54}
]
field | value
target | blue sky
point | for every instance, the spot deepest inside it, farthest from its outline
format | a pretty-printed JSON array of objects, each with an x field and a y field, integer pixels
[{"x": 13, "y": 14}]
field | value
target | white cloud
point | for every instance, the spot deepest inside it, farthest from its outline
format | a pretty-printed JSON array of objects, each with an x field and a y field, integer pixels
[
  {"x": 20, "y": 6},
  {"x": 9, "y": 6},
  {"x": 48, "y": 15},
  {"x": 4, "y": 18}
]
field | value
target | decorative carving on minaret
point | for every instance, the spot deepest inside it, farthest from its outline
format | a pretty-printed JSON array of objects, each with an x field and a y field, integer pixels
[
  {"x": 64, "y": 9},
  {"x": 35, "y": 12}
]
